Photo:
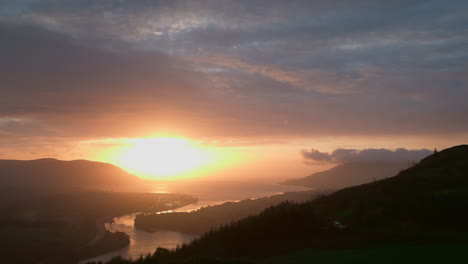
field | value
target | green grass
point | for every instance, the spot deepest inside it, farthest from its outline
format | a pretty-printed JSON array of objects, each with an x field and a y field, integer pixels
[{"x": 382, "y": 255}]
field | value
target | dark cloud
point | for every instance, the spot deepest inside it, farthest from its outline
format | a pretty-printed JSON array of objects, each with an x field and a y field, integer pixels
[
  {"x": 353, "y": 155},
  {"x": 234, "y": 68},
  {"x": 50, "y": 78},
  {"x": 316, "y": 156}
]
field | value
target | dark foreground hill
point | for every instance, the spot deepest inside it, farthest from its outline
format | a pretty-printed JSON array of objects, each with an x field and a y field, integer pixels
[
  {"x": 18, "y": 177},
  {"x": 350, "y": 174},
  {"x": 422, "y": 207}
]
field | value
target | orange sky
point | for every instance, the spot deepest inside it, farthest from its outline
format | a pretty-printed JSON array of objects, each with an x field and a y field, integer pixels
[
  {"x": 251, "y": 85},
  {"x": 258, "y": 158}
]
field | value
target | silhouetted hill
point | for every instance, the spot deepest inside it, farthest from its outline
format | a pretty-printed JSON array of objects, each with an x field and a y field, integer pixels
[
  {"x": 349, "y": 174},
  {"x": 51, "y": 176},
  {"x": 429, "y": 194},
  {"x": 423, "y": 205}
]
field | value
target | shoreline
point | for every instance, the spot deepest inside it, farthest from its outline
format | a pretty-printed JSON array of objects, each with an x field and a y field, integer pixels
[{"x": 102, "y": 231}]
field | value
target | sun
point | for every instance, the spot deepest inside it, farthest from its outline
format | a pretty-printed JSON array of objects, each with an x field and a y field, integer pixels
[{"x": 162, "y": 158}]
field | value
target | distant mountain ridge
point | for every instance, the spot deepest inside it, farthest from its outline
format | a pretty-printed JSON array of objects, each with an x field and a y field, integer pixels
[
  {"x": 55, "y": 176},
  {"x": 422, "y": 205},
  {"x": 350, "y": 174}
]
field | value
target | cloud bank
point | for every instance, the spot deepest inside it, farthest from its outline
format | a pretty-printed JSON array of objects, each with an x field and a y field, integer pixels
[
  {"x": 233, "y": 69},
  {"x": 341, "y": 155}
]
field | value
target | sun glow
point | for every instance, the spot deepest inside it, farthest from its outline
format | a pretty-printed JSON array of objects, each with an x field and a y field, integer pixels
[{"x": 163, "y": 158}]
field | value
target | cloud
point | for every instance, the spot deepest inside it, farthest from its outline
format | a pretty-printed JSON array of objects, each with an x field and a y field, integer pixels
[
  {"x": 54, "y": 81},
  {"x": 235, "y": 68},
  {"x": 353, "y": 155},
  {"x": 316, "y": 156}
]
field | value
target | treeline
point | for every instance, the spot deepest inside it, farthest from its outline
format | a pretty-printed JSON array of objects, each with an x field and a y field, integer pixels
[
  {"x": 206, "y": 218},
  {"x": 422, "y": 205},
  {"x": 279, "y": 229}
]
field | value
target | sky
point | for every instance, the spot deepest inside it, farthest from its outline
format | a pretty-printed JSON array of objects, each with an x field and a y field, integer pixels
[{"x": 265, "y": 81}]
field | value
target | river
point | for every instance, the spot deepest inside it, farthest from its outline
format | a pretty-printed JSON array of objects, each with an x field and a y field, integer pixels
[{"x": 207, "y": 192}]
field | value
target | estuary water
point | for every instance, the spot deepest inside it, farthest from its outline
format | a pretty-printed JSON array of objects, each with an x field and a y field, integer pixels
[{"x": 207, "y": 192}]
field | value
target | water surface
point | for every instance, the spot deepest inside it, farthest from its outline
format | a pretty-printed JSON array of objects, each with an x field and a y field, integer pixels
[{"x": 207, "y": 192}]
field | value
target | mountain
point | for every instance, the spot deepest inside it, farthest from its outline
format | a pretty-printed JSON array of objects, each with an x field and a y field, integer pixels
[
  {"x": 56, "y": 176},
  {"x": 421, "y": 207},
  {"x": 349, "y": 174}
]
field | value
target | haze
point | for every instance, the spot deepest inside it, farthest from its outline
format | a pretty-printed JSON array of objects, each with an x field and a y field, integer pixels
[
  {"x": 233, "y": 131},
  {"x": 248, "y": 83}
]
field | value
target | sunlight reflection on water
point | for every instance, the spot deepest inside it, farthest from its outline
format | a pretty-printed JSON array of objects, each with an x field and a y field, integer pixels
[
  {"x": 207, "y": 192},
  {"x": 141, "y": 242}
]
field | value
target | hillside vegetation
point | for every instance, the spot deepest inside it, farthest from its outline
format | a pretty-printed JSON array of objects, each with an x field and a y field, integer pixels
[
  {"x": 207, "y": 218},
  {"x": 423, "y": 206}
]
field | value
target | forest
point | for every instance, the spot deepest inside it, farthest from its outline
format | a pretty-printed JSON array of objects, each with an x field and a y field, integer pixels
[{"x": 421, "y": 207}]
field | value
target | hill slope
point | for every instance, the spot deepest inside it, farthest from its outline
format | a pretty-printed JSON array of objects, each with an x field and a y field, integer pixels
[
  {"x": 433, "y": 190},
  {"x": 422, "y": 205},
  {"x": 210, "y": 217},
  {"x": 51, "y": 175},
  {"x": 349, "y": 174}
]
